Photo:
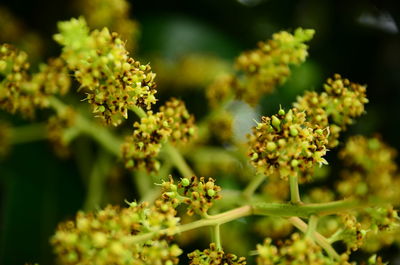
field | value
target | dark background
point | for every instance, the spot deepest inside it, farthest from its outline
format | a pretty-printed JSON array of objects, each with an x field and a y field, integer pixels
[{"x": 358, "y": 39}]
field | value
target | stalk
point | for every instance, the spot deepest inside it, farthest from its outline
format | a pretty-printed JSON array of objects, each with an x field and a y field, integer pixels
[
  {"x": 294, "y": 190},
  {"x": 28, "y": 133}
]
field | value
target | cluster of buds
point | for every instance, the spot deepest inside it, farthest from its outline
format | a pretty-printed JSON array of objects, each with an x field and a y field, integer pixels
[
  {"x": 286, "y": 145},
  {"x": 60, "y": 131},
  {"x": 142, "y": 147},
  {"x": 173, "y": 123},
  {"x": 112, "y": 14},
  {"x": 181, "y": 121},
  {"x": 221, "y": 126},
  {"x": 336, "y": 107},
  {"x": 197, "y": 193},
  {"x": 214, "y": 256},
  {"x": 108, "y": 237},
  {"x": 22, "y": 92},
  {"x": 220, "y": 90},
  {"x": 382, "y": 224},
  {"x": 265, "y": 68},
  {"x": 296, "y": 250},
  {"x": 371, "y": 169},
  {"x": 113, "y": 81},
  {"x": 352, "y": 233}
]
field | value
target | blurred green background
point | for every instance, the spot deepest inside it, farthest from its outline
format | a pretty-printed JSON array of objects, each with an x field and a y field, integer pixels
[{"x": 358, "y": 39}]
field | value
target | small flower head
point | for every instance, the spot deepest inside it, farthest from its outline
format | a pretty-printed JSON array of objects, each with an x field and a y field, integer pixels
[
  {"x": 142, "y": 147},
  {"x": 370, "y": 169},
  {"x": 220, "y": 90},
  {"x": 197, "y": 193},
  {"x": 214, "y": 256},
  {"x": 336, "y": 107},
  {"x": 111, "y": 79},
  {"x": 181, "y": 121},
  {"x": 265, "y": 68},
  {"x": 105, "y": 237},
  {"x": 284, "y": 145},
  {"x": 22, "y": 92},
  {"x": 296, "y": 250}
]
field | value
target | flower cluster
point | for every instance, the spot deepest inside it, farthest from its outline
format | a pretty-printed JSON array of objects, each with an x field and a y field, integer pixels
[
  {"x": 286, "y": 145},
  {"x": 265, "y": 68},
  {"x": 214, "y": 256},
  {"x": 112, "y": 14},
  {"x": 182, "y": 122},
  {"x": 142, "y": 147},
  {"x": 197, "y": 193},
  {"x": 220, "y": 90},
  {"x": 113, "y": 81},
  {"x": 261, "y": 70},
  {"x": 352, "y": 234},
  {"x": 60, "y": 130},
  {"x": 172, "y": 123},
  {"x": 296, "y": 250},
  {"x": 22, "y": 92},
  {"x": 221, "y": 126},
  {"x": 108, "y": 237},
  {"x": 336, "y": 107},
  {"x": 371, "y": 169}
]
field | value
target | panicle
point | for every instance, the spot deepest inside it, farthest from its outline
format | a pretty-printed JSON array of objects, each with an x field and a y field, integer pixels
[
  {"x": 370, "y": 170},
  {"x": 214, "y": 256},
  {"x": 221, "y": 126},
  {"x": 286, "y": 145},
  {"x": 142, "y": 147},
  {"x": 22, "y": 92},
  {"x": 197, "y": 193},
  {"x": 296, "y": 250},
  {"x": 220, "y": 90},
  {"x": 182, "y": 122},
  {"x": 336, "y": 107},
  {"x": 108, "y": 237},
  {"x": 263, "y": 69},
  {"x": 113, "y": 81}
]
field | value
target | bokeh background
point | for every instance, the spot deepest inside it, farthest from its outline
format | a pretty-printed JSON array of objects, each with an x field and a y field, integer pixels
[{"x": 358, "y": 39}]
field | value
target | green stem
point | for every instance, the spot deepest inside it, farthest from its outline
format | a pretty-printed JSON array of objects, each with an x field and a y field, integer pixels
[
  {"x": 294, "y": 190},
  {"x": 319, "y": 239},
  {"x": 143, "y": 183},
  {"x": 171, "y": 152},
  {"x": 253, "y": 185},
  {"x": 177, "y": 159},
  {"x": 305, "y": 210},
  {"x": 312, "y": 226},
  {"x": 97, "y": 180},
  {"x": 138, "y": 111},
  {"x": 28, "y": 133},
  {"x": 216, "y": 236},
  {"x": 211, "y": 221},
  {"x": 268, "y": 209},
  {"x": 98, "y": 133}
]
